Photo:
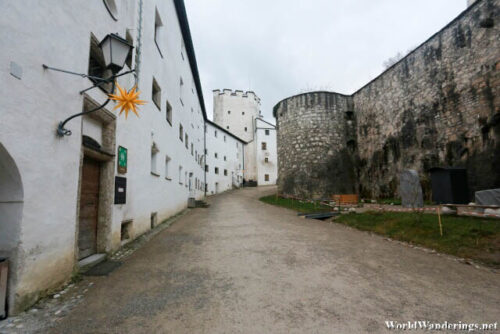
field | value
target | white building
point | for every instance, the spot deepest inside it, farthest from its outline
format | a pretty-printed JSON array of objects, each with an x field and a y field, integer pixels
[
  {"x": 63, "y": 199},
  {"x": 224, "y": 159},
  {"x": 239, "y": 112},
  {"x": 266, "y": 152}
]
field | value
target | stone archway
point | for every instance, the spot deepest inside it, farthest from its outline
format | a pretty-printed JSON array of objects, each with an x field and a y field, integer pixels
[{"x": 11, "y": 210}]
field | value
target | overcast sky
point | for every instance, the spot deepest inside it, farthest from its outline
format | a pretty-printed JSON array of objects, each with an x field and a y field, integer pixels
[{"x": 280, "y": 48}]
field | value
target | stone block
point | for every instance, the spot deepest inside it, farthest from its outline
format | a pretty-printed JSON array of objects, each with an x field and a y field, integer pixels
[{"x": 410, "y": 189}]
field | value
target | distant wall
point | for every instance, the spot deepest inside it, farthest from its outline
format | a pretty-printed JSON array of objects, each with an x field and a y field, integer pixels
[{"x": 439, "y": 106}]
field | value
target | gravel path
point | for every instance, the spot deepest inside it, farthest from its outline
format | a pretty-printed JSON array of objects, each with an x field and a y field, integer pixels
[{"x": 243, "y": 266}]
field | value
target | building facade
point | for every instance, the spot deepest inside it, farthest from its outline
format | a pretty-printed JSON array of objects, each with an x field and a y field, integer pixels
[
  {"x": 436, "y": 107},
  {"x": 239, "y": 112},
  {"x": 224, "y": 159},
  {"x": 65, "y": 199}
]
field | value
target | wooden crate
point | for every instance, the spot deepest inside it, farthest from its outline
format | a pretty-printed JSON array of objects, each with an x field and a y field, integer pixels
[
  {"x": 4, "y": 270},
  {"x": 345, "y": 199}
]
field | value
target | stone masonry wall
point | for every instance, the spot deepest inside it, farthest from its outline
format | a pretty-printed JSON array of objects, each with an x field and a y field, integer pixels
[
  {"x": 316, "y": 138},
  {"x": 439, "y": 106}
]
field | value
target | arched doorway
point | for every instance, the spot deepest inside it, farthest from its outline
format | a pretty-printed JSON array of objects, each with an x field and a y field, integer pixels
[{"x": 11, "y": 209}]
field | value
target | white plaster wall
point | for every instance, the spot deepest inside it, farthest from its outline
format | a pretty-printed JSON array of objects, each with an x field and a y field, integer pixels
[
  {"x": 163, "y": 194},
  {"x": 232, "y": 149},
  {"x": 270, "y": 167},
  {"x": 58, "y": 34}
]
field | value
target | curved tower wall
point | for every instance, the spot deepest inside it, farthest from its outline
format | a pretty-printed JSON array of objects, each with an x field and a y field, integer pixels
[{"x": 316, "y": 145}]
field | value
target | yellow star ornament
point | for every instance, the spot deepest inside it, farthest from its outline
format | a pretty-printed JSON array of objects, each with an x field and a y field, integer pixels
[{"x": 127, "y": 101}]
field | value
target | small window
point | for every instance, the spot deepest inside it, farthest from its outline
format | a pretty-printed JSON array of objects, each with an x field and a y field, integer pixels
[
  {"x": 158, "y": 31},
  {"x": 266, "y": 177},
  {"x": 224, "y": 158},
  {"x": 245, "y": 129},
  {"x": 112, "y": 9},
  {"x": 229, "y": 112},
  {"x": 154, "y": 156},
  {"x": 167, "y": 167},
  {"x": 206, "y": 151},
  {"x": 227, "y": 127},
  {"x": 156, "y": 94},
  {"x": 216, "y": 170},
  {"x": 206, "y": 168},
  {"x": 180, "y": 174},
  {"x": 215, "y": 133},
  {"x": 181, "y": 132},
  {"x": 267, "y": 132},
  {"x": 243, "y": 113},
  {"x": 130, "y": 40},
  {"x": 266, "y": 160},
  {"x": 169, "y": 113},
  {"x": 215, "y": 155},
  {"x": 192, "y": 149},
  {"x": 126, "y": 230},
  {"x": 264, "y": 145},
  {"x": 97, "y": 67},
  {"x": 186, "y": 140},
  {"x": 224, "y": 138},
  {"x": 225, "y": 172},
  {"x": 154, "y": 219}
]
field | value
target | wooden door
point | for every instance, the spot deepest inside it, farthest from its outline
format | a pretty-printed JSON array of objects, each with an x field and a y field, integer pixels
[{"x": 89, "y": 203}]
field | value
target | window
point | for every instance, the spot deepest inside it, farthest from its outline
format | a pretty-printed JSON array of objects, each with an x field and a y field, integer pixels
[
  {"x": 167, "y": 167},
  {"x": 97, "y": 67},
  {"x": 266, "y": 177},
  {"x": 156, "y": 94},
  {"x": 130, "y": 40},
  {"x": 112, "y": 9},
  {"x": 224, "y": 138},
  {"x": 180, "y": 174},
  {"x": 245, "y": 129},
  {"x": 192, "y": 149},
  {"x": 206, "y": 151},
  {"x": 181, "y": 132},
  {"x": 267, "y": 132},
  {"x": 215, "y": 155},
  {"x": 158, "y": 31},
  {"x": 206, "y": 168},
  {"x": 224, "y": 158},
  {"x": 215, "y": 133},
  {"x": 154, "y": 155},
  {"x": 225, "y": 172},
  {"x": 243, "y": 113},
  {"x": 181, "y": 86},
  {"x": 266, "y": 160},
  {"x": 186, "y": 179},
  {"x": 227, "y": 127},
  {"x": 216, "y": 170},
  {"x": 264, "y": 145},
  {"x": 186, "y": 140},
  {"x": 229, "y": 112},
  {"x": 169, "y": 113}
]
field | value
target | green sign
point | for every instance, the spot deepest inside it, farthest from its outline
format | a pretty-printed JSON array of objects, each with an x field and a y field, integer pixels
[{"x": 122, "y": 160}]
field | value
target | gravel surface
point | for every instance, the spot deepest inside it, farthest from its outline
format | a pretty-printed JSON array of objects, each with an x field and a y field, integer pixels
[{"x": 242, "y": 266}]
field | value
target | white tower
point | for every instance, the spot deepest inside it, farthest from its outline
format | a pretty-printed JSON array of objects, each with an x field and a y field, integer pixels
[{"x": 236, "y": 111}]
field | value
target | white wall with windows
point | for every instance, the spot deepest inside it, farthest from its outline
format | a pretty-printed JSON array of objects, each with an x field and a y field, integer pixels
[
  {"x": 224, "y": 165},
  {"x": 163, "y": 171},
  {"x": 266, "y": 152}
]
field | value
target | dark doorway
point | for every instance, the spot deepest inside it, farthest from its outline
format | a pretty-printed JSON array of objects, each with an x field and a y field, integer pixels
[{"x": 89, "y": 204}]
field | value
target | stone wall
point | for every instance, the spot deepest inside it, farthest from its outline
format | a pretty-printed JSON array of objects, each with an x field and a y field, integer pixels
[
  {"x": 438, "y": 106},
  {"x": 316, "y": 141}
]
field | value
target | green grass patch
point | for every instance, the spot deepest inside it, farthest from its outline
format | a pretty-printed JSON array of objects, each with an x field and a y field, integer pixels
[
  {"x": 300, "y": 206},
  {"x": 468, "y": 237}
]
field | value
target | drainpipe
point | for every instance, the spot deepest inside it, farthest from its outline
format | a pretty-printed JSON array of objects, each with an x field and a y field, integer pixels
[
  {"x": 138, "y": 49},
  {"x": 205, "y": 157}
]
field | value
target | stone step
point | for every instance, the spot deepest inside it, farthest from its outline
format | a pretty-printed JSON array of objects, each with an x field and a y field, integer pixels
[{"x": 88, "y": 262}]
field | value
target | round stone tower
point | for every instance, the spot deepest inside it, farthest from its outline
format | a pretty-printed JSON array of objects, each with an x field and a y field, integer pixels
[{"x": 316, "y": 145}]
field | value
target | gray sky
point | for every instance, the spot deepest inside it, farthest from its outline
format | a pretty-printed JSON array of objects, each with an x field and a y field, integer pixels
[{"x": 280, "y": 48}]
